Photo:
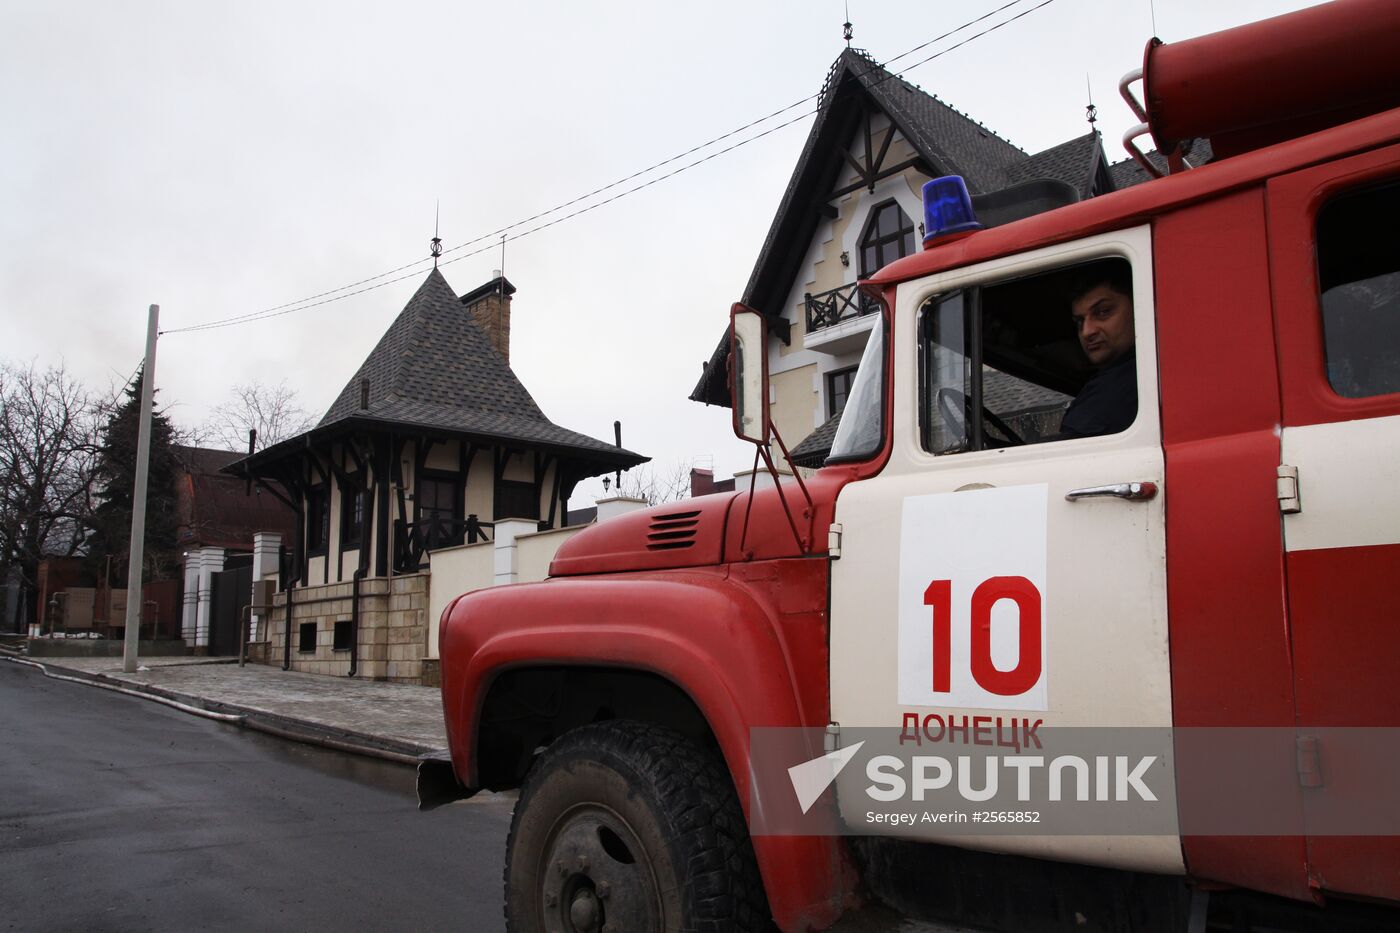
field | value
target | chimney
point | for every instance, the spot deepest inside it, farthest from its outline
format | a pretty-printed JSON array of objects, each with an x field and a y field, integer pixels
[{"x": 489, "y": 306}]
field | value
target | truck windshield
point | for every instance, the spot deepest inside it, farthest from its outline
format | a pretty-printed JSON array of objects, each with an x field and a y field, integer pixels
[{"x": 863, "y": 420}]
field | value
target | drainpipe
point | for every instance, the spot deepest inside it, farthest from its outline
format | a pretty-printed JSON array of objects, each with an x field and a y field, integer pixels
[
  {"x": 355, "y": 618},
  {"x": 287, "y": 628}
]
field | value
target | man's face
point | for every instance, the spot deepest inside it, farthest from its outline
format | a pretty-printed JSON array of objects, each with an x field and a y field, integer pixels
[{"x": 1103, "y": 317}]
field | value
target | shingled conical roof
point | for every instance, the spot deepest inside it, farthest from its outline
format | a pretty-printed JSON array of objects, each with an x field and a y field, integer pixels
[{"x": 434, "y": 368}]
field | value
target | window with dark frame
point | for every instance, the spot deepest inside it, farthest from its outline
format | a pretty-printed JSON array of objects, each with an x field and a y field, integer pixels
[
  {"x": 838, "y": 389},
  {"x": 318, "y": 519},
  {"x": 1358, "y": 265},
  {"x": 439, "y": 502},
  {"x": 888, "y": 235},
  {"x": 352, "y": 515},
  {"x": 306, "y": 637},
  {"x": 343, "y": 633},
  {"x": 1000, "y": 363},
  {"x": 517, "y": 499}
]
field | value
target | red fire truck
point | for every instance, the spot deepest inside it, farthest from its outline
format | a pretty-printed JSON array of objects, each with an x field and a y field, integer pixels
[{"x": 1225, "y": 558}]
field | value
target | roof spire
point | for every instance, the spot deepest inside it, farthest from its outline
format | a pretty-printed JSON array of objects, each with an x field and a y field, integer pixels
[
  {"x": 846, "y": 26},
  {"x": 436, "y": 248},
  {"x": 1091, "y": 113}
]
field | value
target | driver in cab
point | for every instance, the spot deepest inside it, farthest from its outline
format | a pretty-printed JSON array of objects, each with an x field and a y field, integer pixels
[{"x": 1101, "y": 305}]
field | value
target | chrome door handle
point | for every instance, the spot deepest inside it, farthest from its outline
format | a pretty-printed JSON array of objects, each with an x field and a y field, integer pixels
[{"x": 1133, "y": 492}]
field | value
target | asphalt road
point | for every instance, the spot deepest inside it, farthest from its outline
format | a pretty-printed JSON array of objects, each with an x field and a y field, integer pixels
[
  {"x": 121, "y": 814},
  {"x": 118, "y": 814}
]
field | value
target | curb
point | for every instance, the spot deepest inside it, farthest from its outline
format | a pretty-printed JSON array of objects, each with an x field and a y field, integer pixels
[{"x": 285, "y": 727}]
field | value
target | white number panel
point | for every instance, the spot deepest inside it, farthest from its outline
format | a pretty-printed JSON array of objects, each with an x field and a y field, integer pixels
[{"x": 973, "y": 600}]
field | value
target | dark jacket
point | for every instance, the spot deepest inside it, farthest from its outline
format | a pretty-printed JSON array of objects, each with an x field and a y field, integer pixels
[{"x": 1107, "y": 404}]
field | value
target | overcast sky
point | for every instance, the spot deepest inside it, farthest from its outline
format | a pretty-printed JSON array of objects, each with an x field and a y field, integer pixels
[{"x": 222, "y": 159}]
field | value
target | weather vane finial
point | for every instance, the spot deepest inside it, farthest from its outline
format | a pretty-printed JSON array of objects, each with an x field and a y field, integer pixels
[
  {"x": 1091, "y": 112},
  {"x": 846, "y": 32},
  {"x": 437, "y": 240}
]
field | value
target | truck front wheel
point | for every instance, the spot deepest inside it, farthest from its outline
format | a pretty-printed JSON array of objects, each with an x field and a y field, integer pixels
[{"x": 624, "y": 827}]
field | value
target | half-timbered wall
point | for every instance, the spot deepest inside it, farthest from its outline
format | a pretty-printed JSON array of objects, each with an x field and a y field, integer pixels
[{"x": 475, "y": 475}]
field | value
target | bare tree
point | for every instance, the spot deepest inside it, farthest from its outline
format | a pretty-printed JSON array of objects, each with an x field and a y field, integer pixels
[
  {"x": 271, "y": 410},
  {"x": 49, "y": 427},
  {"x": 657, "y": 484}
]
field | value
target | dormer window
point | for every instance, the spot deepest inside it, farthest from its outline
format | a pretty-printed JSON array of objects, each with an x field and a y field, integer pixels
[{"x": 888, "y": 235}]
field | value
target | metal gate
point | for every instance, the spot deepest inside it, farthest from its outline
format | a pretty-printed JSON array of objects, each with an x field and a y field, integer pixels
[{"x": 231, "y": 590}]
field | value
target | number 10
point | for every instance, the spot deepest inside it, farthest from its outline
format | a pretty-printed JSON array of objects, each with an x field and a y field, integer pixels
[{"x": 1029, "y": 664}]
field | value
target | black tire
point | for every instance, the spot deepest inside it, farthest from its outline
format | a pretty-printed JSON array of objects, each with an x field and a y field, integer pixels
[{"x": 625, "y": 827}]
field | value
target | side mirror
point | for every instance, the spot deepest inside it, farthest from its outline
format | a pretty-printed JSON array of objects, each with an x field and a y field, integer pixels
[{"x": 748, "y": 374}]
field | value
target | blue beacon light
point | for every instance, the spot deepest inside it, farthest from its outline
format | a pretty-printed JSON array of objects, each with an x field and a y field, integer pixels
[{"x": 947, "y": 209}]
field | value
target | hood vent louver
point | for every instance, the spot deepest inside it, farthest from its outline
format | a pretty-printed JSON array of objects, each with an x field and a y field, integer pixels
[{"x": 672, "y": 531}]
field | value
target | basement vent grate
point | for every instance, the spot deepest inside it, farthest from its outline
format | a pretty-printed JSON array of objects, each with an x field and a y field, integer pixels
[{"x": 672, "y": 532}]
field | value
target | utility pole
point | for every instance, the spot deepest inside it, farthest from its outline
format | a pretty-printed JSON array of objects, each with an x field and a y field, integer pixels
[{"x": 131, "y": 644}]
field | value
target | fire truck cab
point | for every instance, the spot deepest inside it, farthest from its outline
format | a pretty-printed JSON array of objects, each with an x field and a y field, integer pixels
[{"x": 1216, "y": 545}]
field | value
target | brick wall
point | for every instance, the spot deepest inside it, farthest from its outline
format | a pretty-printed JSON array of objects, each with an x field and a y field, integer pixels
[
  {"x": 491, "y": 313},
  {"x": 392, "y": 638}
]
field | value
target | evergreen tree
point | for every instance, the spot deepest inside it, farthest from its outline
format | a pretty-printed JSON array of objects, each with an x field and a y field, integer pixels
[{"x": 116, "y": 482}]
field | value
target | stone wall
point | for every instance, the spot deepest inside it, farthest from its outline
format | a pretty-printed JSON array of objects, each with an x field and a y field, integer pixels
[{"x": 392, "y": 637}]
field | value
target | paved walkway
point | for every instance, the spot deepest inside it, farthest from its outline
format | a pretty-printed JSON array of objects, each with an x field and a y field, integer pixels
[{"x": 364, "y": 714}]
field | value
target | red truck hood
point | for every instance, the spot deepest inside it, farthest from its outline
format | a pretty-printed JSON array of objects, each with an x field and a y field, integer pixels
[
  {"x": 689, "y": 533},
  {"x": 708, "y": 530}
]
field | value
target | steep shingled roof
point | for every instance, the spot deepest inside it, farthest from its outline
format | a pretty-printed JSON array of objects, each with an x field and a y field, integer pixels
[
  {"x": 435, "y": 372},
  {"x": 1073, "y": 162},
  {"x": 434, "y": 368},
  {"x": 950, "y": 141},
  {"x": 946, "y": 140},
  {"x": 946, "y": 135}
]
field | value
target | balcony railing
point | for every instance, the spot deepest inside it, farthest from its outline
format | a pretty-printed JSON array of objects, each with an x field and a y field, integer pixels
[
  {"x": 412, "y": 540},
  {"x": 837, "y": 306}
]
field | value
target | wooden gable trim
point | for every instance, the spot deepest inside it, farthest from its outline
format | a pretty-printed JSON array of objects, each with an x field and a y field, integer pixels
[
  {"x": 872, "y": 171},
  {"x": 916, "y": 162}
]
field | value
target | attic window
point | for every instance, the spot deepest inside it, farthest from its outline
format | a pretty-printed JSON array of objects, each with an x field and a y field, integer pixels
[{"x": 888, "y": 235}]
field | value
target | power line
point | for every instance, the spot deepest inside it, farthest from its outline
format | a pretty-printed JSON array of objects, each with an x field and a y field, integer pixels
[
  {"x": 336, "y": 294},
  {"x": 262, "y": 316}
]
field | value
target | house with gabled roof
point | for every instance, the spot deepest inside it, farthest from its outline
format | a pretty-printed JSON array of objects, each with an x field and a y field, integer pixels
[
  {"x": 433, "y": 444},
  {"x": 852, "y": 205}
]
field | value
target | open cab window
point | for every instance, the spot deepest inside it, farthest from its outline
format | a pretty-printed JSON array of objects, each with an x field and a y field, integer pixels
[
  {"x": 1038, "y": 358},
  {"x": 861, "y": 432}
]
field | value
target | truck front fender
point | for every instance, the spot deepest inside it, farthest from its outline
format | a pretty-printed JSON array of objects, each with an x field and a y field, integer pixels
[{"x": 746, "y": 643}]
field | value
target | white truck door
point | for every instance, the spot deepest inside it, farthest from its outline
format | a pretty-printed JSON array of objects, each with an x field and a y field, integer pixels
[{"x": 1049, "y": 544}]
